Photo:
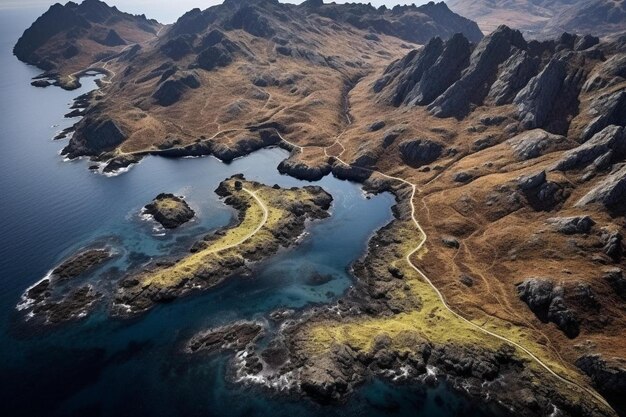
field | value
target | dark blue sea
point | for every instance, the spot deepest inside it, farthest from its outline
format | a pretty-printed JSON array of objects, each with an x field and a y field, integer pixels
[{"x": 98, "y": 366}]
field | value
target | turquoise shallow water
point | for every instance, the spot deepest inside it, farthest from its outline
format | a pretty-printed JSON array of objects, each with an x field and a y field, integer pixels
[{"x": 99, "y": 366}]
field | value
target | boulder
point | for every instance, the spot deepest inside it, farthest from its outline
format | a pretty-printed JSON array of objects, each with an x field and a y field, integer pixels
[
  {"x": 616, "y": 279},
  {"x": 94, "y": 137},
  {"x": 606, "y": 74},
  {"x": 606, "y": 110},
  {"x": 586, "y": 42},
  {"x": 613, "y": 247},
  {"x": 376, "y": 126},
  {"x": 537, "y": 142},
  {"x": 529, "y": 182},
  {"x": 610, "y": 139},
  {"x": 302, "y": 171},
  {"x": 611, "y": 191},
  {"x": 572, "y": 225},
  {"x": 418, "y": 152}
]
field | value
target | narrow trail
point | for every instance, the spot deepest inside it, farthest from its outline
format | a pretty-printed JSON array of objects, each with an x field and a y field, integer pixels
[
  {"x": 255, "y": 231},
  {"x": 414, "y": 190}
]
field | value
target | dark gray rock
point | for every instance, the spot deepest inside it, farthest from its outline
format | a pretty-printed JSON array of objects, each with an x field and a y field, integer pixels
[
  {"x": 418, "y": 152},
  {"x": 586, "y": 42},
  {"x": 214, "y": 57},
  {"x": 94, "y": 137},
  {"x": 482, "y": 71},
  {"x": 606, "y": 110},
  {"x": 302, "y": 171},
  {"x": 548, "y": 303},
  {"x": 537, "y": 142},
  {"x": 376, "y": 126},
  {"x": 172, "y": 90},
  {"x": 41, "y": 83},
  {"x": 606, "y": 74},
  {"x": 613, "y": 247},
  {"x": 467, "y": 280},
  {"x": 178, "y": 47},
  {"x": 446, "y": 70},
  {"x": 530, "y": 182},
  {"x": 463, "y": 177},
  {"x": 572, "y": 225},
  {"x": 611, "y": 191},
  {"x": 616, "y": 279},
  {"x": 535, "y": 101},
  {"x": 250, "y": 20},
  {"x": 451, "y": 242},
  {"x": 112, "y": 39},
  {"x": 608, "y": 378},
  {"x": 514, "y": 75},
  {"x": 612, "y": 138}
]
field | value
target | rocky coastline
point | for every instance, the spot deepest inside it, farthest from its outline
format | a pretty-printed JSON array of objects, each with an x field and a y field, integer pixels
[
  {"x": 51, "y": 302},
  {"x": 497, "y": 375},
  {"x": 220, "y": 255}
]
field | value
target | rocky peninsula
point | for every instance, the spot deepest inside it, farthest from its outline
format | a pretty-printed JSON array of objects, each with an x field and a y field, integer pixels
[{"x": 269, "y": 218}]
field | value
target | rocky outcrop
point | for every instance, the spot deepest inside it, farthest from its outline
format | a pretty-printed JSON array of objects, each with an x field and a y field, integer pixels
[
  {"x": 474, "y": 83},
  {"x": 537, "y": 142},
  {"x": 535, "y": 101},
  {"x": 418, "y": 152},
  {"x": 608, "y": 378},
  {"x": 234, "y": 336},
  {"x": 112, "y": 39},
  {"x": 94, "y": 137},
  {"x": 547, "y": 302},
  {"x": 572, "y": 225},
  {"x": 514, "y": 75},
  {"x": 174, "y": 87},
  {"x": 607, "y": 73},
  {"x": 616, "y": 279},
  {"x": 82, "y": 262},
  {"x": 607, "y": 109},
  {"x": 303, "y": 171},
  {"x": 610, "y": 141},
  {"x": 436, "y": 78},
  {"x": 178, "y": 47},
  {"x": 169, "y": 210},
  {"x": 611, "y": 191},
  {"x": 613, "y": 246},
  {"x": 213, "y": 57}
]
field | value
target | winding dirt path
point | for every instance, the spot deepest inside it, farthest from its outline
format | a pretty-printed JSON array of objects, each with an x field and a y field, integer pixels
[{"x": 414, "y": 191}]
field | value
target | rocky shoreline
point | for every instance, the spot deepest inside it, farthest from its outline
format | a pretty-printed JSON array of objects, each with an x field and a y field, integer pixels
[
  {"x": 50, "y": 302},
  {"x": 169, "y": 211},
  {"x": 167, "y": 280},
  {"x": 497, "y": 375}
]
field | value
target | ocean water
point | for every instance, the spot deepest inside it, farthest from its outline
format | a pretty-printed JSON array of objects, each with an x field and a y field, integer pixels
[{"x": 99, "y": 366}]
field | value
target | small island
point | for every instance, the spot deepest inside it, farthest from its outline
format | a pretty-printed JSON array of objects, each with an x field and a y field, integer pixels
[{"x": 169, "y": 210}]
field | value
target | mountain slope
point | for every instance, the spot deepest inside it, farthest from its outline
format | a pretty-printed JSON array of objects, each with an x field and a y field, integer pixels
[
  {"x": 68, "y": 38},
  {"x": 547, "y": 18},
  {"x": 506, "y": 157}
]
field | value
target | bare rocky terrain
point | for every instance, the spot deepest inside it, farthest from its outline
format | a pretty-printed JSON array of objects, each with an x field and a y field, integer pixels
[
  {"x": 547, "y": 18},
  {"x": 504, "y": 265}
]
